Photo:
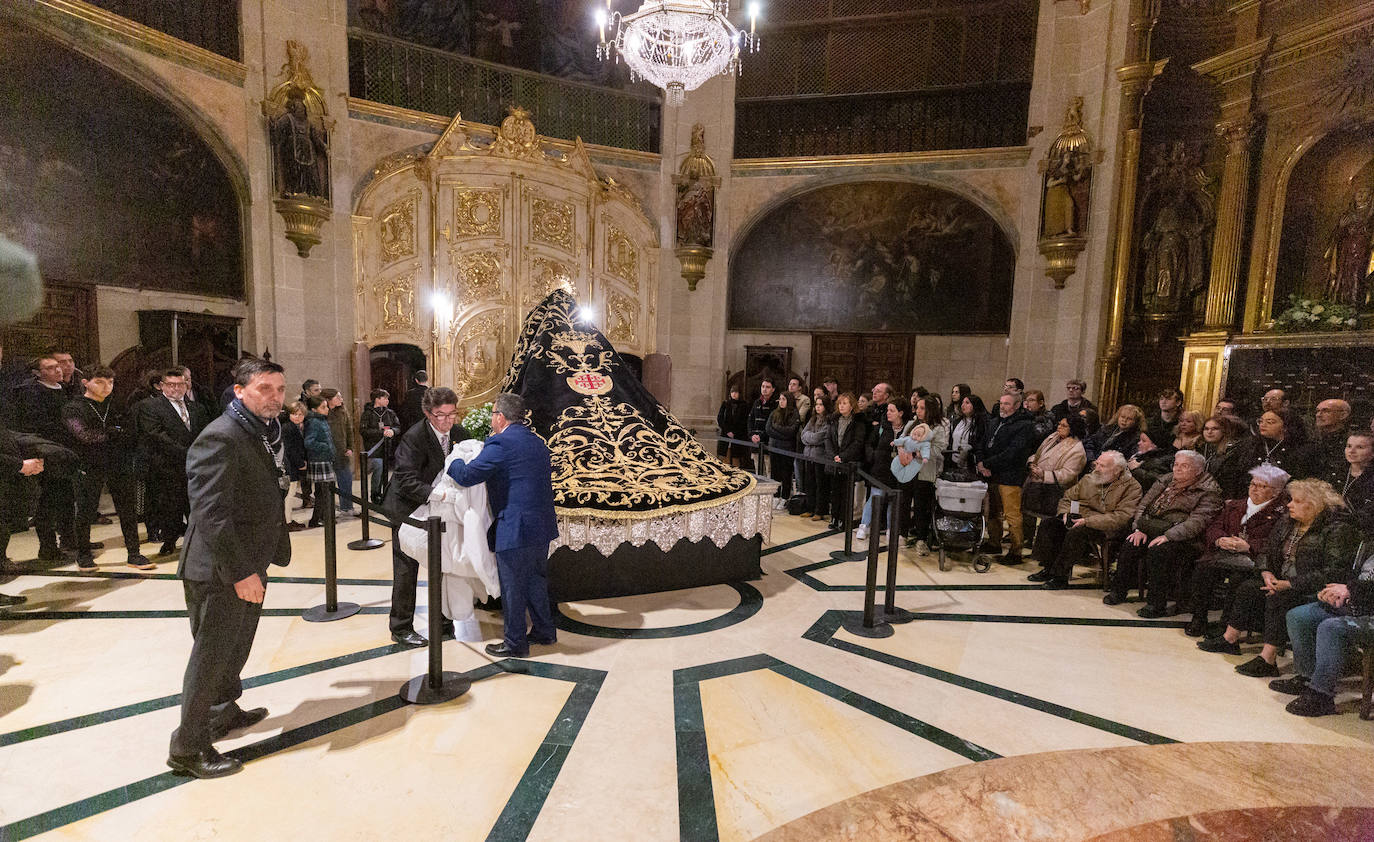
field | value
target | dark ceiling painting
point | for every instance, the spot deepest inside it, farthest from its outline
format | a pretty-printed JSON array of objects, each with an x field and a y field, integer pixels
[
  {"x": 104, "y": 182},
  {"x": 874, "y": 256}
]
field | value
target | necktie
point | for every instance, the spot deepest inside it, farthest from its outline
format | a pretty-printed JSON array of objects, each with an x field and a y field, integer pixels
[
  {"x": 443, "y": 444},
  {"x": 181, "y": 410}
]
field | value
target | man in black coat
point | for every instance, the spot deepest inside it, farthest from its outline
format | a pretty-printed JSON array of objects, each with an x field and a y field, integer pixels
[
  {"x": 36, "y": 409},
  {"x": 379, "y": 426},
  {"x": 411, "y": 411},
  {"x": 1002, "y": 464},
  {"x": 237, "y": 529},
  {"x": 167, "y": 424},
  {"x": 419, "y": 459}
]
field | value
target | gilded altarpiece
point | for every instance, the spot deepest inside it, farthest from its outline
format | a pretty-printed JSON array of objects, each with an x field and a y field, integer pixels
[{"x": 453, "y": 247}]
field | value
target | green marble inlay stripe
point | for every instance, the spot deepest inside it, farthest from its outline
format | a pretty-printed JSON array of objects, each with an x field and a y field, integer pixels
[
  {"x": 138, "y": 708},
  {"x": 124, "y": 574},
  {"x": 1050, "y": 621},
  {"x": 803, "y": 574},
  {"x": 800, "y": 541},
  {"x": 964, "y": 748},
  {"x": 823, "y": 632},
  {"x": 750, "y": 601},
  {"x": 521, "y": 809},
  {"x": 696, "y": 805},
  {"x": 154, "y": 614}
]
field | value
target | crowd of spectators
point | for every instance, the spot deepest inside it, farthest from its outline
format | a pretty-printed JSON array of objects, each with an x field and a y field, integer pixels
[{"x": 1267, "y": 522}]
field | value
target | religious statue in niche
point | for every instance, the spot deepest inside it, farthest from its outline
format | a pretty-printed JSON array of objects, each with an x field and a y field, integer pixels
[
  {"x": 1177, "y": 214},
  {"x": 1350, "y": 255},
  {"x": 696, "y": 182},
  {"x": 298, "y": 130},
  {"x": 1068, "y": 171}
]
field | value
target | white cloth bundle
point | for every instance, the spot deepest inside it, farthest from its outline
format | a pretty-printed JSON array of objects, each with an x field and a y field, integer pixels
[{"x": 469, "y": 565}]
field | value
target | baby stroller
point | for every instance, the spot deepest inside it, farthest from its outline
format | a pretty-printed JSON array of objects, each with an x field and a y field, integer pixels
[{"x": 959, "y": 515}]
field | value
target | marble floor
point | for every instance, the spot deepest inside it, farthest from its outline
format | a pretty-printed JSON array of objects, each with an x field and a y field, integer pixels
[{"x": 728, "y": 712}]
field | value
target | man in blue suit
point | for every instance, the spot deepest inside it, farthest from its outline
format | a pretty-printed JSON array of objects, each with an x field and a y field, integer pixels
[{"x": 515, "y": 465}]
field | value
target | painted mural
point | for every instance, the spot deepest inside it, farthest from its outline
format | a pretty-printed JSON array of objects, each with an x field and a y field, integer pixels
[
  {"x": 876, "y": 256},
  {"x": 104, "y": 182}
]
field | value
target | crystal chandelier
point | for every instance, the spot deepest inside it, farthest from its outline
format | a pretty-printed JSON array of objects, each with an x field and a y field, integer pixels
[{"x": 676, "y": 44}]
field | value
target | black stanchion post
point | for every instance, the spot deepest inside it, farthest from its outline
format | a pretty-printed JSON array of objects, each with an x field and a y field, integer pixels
[
  {"x": 332, "y": 608},
  {"x": 889, "y": 612},
  {"x": 435, "y": 685},
  {"x": 848, "y": 554},
  {"x": 367, "y": 542},
  {"x": 871, "y": 625}
]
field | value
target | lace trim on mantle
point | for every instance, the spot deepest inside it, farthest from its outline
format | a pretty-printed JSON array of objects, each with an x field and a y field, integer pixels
[{"x": 749, "y": 515}]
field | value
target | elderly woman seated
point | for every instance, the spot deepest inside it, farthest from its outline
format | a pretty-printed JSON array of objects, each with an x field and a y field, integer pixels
[
  {"x": 1321, "y": 632},
  {"x": 1094, "y": 509},
  {"x": 1309, "y": 549},
  {"x": 1169, "y": 523},
  {"x": 1235, "y": 539}
]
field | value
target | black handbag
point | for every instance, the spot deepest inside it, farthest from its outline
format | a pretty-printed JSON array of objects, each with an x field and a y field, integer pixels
[{"x": 1041, "y": 498}]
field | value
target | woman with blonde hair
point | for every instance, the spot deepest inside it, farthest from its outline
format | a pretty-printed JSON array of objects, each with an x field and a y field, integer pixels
[
  {"x": 1188, "y": 433},
  {"x": 1122, "y": 435},
  {"x": 1308, "y": 550}
]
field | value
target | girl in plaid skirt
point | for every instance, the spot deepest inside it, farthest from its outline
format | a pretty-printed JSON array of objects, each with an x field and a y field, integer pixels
[{"x": 319, "y": 449}]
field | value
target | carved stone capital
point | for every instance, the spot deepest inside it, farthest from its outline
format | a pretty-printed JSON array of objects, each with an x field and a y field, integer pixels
[{"x": 1238, "y": 134}]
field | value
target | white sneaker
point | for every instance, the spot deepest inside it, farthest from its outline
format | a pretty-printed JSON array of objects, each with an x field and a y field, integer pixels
[{"x": 861, "y": 533}]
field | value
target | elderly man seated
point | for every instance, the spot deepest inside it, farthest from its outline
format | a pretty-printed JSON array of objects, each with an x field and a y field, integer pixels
[
  {"x": 1321, "y": 632},
  {"x": 1236, "y": 538},
  {"x": 1168, "y": 533},
  {"x": 1095, "y": 508},
  {"x": 1308, "y": 550}
]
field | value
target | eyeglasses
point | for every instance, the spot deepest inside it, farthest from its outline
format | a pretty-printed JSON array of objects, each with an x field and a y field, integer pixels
[{"x": 440, "y": 416}]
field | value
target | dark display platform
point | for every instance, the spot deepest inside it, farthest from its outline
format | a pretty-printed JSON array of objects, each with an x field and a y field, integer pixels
[{"x": 587, "y": 574}]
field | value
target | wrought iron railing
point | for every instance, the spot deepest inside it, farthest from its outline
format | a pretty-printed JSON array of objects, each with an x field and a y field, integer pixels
[
  {"x": 394, "y": 72},
  {"x": 212, "y": 24},
  {"x": 974, "y": 117}
]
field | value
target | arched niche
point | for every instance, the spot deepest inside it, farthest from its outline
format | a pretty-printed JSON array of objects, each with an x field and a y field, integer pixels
[
  {"x": 454, "y": 245},
  {"x": 873, "y": 256},
  {"x": 1318, "y": 199},
  {"x": 108, "y": 183}
]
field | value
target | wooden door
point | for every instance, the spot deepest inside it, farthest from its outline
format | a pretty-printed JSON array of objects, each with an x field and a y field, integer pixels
[
  {"x": 66, "y": 321},
  {"x": 858, "y": 361}
]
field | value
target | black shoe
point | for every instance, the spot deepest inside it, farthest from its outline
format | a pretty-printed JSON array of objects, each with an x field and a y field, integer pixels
[
  {"x": 104, "y": 520},
  {"x": 168, "y": 547},
  {"x": 1011, "y": 558},
  {"x": 205, "y": 764},
  {"x": 501, "y": 650},
  {"x": 1196, "y": 627},
  {"x": 1293, "y": 686},
  {"x": 85, "y": 562},
  {"x": 410, "y": 638},
  {"x": 140, "y": 562},
  {"x": 1113, "y": 599},
  {"x": 1151, "y": 612},
  {"x": 1057, "y": 585},
  {"x": 447, "y": 632},
  {"x": 1257, "y": 667},
  {"x": 1040, "y": 576},
  {"x": 6, "y": 600},
  {"x": 242, "y": 719},
  {"x": 493, "y": 603},
  {"x": 296, "y": 526},
  {"x": 1312, "y": 703},
  {"x": 543, "y": 641},
  {"x": 1219, "y": 644},
  {"x": 94, "y": 545},
  {"x": 50, "y": 552}
]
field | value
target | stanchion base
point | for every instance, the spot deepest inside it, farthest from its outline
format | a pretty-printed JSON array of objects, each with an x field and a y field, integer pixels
[
  {"x": 322, "y": 614},
  {"x": 856, "y": 555},
  {"x": 417, "y": 691},
  {"x": 369, "y": 544},
  {"x": 896, "y": 615},
  {"x": 856, "y": 626}
]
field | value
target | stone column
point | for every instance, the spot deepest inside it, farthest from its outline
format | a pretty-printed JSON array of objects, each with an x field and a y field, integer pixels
[{"x": 1224, "y": 283}]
